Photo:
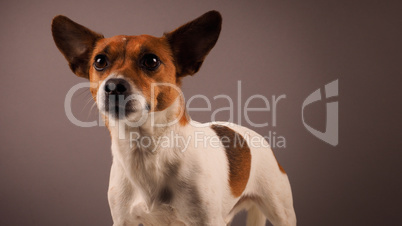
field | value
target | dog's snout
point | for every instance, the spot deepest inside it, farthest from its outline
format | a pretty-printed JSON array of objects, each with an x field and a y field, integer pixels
[{"x": 117, "y": 86}]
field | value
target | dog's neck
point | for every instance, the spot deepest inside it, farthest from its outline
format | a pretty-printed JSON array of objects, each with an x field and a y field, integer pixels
[{"x": 148, "y": 167}]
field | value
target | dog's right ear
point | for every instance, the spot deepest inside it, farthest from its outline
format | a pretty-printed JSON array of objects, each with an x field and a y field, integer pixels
[{"x": 76, "y": 42}]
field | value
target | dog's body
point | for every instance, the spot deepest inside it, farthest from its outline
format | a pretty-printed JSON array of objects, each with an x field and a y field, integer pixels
[{"x": 187, "y": 173}]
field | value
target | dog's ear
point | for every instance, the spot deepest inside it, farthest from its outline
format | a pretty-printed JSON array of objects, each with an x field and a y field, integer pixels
[
  {"x": 76, "y": 42},
  {"x": 192, "y": 42}
]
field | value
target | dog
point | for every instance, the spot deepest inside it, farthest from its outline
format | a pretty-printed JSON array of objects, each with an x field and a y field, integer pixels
[{"x": 135, "y": 83}]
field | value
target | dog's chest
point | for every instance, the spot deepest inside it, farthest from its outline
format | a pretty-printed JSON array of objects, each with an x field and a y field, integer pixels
[{"x": 129, "y": 206}]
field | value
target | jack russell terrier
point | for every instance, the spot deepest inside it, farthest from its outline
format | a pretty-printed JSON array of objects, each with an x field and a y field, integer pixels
[{"x": 207, "y": 177}]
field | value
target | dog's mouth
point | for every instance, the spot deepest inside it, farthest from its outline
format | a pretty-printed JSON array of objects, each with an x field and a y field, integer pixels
[
  {"x": 119, "y": 110},
  {"x": 116, "y": 107}
]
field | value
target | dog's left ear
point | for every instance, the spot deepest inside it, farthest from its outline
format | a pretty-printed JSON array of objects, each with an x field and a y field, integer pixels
[{"x": 192, "y": 42}]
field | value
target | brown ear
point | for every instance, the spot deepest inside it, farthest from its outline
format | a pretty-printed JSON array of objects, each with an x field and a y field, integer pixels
[
  {"x": 76, "y": 42},
  {"x": 192, "y": 42}
]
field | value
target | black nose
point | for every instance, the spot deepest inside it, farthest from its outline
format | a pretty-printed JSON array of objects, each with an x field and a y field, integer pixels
[{"x": 117, "y": 86}]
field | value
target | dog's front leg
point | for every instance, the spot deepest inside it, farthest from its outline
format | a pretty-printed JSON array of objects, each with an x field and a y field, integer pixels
[{"x": 125, "y": 203}]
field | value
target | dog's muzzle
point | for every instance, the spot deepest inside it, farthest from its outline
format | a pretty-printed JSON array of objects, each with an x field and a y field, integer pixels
[{"x": 117, "y": 97}]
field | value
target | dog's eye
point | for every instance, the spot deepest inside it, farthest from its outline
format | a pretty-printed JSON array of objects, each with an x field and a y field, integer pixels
[
  {"x": 100, "y": 62},
  {"x": 151, "y": 62}
]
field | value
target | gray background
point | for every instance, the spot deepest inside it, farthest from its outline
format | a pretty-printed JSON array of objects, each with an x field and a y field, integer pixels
[{"x": 55, "y": 173}]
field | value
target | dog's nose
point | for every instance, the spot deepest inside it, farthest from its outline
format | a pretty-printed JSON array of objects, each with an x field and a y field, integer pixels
[{"x": 117, "y": 86}]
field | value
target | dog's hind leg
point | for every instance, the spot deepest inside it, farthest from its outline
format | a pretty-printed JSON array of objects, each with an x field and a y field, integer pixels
[
  {"x": 275, "y": 200},
  {"x": 255, "y": 217},
  {"x": 277, "y": 212}
]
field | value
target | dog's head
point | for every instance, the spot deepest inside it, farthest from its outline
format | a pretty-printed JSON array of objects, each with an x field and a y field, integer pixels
[{"x": 131, "y": 75}]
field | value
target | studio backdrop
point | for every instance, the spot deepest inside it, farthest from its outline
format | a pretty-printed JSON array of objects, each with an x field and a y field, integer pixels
[{"x": 321, "y": 80}]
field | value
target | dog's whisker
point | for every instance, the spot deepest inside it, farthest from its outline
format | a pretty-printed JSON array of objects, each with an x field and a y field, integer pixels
[
  {"x": 92, "y": 107},
  {"x": 86, "y": 104},
  {"x": 83, "y": 91}
]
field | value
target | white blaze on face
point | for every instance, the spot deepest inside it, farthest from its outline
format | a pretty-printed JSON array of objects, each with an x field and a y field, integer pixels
[{"x": 134, "y": 104}]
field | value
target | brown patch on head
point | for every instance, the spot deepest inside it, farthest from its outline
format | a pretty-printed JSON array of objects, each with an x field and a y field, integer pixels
[
  {"x": 180, "y": 53},
  {"x": 239, "y": 158},
  {"x": 125, "y": 55}
]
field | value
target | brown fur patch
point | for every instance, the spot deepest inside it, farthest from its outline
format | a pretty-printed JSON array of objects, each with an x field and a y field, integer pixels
[
  {"x": 279, "y": 165},
  {"x": 124, "y": 54},
  {"x": 184, "y": 119},
  {"x": 281, "y": 168},
  {"x": 239, "y": 158}
]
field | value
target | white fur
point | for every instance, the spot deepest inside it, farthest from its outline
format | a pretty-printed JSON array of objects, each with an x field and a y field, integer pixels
[{"x": 200, "y": 187}]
